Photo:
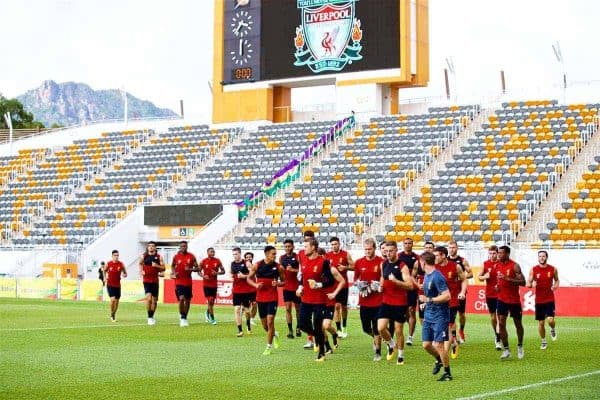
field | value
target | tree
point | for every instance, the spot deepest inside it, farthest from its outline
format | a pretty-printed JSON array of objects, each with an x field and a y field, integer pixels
[{"x": 21, "y": 119}]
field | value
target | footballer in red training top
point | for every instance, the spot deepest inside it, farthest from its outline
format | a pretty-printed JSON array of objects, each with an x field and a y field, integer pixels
[{"x": 210, "y": 268}]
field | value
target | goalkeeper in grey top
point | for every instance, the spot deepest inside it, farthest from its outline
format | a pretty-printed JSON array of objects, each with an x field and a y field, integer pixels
[{"x": 367, "y": 275}]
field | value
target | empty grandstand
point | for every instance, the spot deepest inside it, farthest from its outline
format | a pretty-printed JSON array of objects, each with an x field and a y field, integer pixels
[
  {"x": 495, "y": 184},
  {"x": 355, "y": 183}
]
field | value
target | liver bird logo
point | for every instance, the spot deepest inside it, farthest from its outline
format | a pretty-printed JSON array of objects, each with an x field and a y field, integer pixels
[{"x": 329, "y": 40}]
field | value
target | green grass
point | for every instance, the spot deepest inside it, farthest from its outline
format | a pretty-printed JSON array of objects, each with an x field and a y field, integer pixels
[{"x": 56, "y": 350}]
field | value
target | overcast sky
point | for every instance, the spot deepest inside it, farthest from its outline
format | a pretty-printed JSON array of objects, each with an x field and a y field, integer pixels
[{"x": 162, "y": 51}]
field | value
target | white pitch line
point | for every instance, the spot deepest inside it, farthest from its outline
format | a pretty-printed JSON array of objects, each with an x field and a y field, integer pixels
[
  {"x": 112, "y": 325},
  {"x": 568, "y": 328},
  {"x": 532, "y": 385}
]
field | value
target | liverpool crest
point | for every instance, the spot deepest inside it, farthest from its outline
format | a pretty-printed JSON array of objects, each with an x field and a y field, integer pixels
[{"x": 329, "y": 37}]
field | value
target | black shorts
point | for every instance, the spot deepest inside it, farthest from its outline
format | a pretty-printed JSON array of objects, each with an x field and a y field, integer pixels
[
  {"x": 243, "y": 299},
  {"x": 310, "y": 319},
  {"x": 515, "y": 310},
  {"x": 151, "y": 288},
  {"x": 328, "y": 313},
  {"x": 290, "y": 295},
  {"x": 412, "y": 298},
  {"x": 368, "y": 320},
  {"x": 492, "y": 304},
  {"x": 114, "y": 291},
  {"x": 185, "y": 291},
  {"x": 342, "y": 297},
  {"x": 544, "y": 310},
  {"x": 462, "y": 305},
  {"x": 393, "y": 313},
  {"x": 210, "y": 292},
  {"x": 267, "y": 308},
  {"x": 453, "y": 311}
]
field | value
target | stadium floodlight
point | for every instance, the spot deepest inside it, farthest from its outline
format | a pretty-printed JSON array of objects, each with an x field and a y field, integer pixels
[
  {"x": 561, "y": 61},
  {"x": 450, "y": 64},
  {"x": 125, "y": 112},
  {"x": 8, "y": 120}
]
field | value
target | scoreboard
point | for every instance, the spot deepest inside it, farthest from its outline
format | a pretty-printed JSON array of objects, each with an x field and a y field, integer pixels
[
  {"x": 181, "y": 215},
  {"x": 266, "y": 40},
  {"x": 368, "y": 49}
]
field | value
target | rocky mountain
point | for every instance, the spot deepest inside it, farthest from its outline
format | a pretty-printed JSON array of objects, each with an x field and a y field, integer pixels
[{"x": 72, "y": 103}]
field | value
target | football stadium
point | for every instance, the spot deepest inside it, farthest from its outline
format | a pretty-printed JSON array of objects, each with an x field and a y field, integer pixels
[{"x": 351, "y": 218}]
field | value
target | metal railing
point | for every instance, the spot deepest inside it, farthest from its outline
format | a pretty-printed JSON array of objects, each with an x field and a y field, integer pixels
[{"x": 20, "y": 134}]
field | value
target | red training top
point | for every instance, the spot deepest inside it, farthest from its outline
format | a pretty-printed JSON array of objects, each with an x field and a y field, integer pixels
[
  {"x": 267, "y": 274},
  {"x": 508, "y": 292},
  {"x": 544, "y": 277},
  {"x": 337, "y": 259},
  {"x": 368, "y": 270},
  {"x": 184, "y": 262},
  {"x": 150, "y": 272},
  {"x": 313, "y": 269},
  {"x": 113, "y": 273},
  {"x": 291, "y": 278},
  {"x": 452, "y": 279},
  {"x": 393, "y": 295},
  {"x": 240, "y": 285},
  {"x": 490, "y": 284},
  {"x": 210, "y": 269}
]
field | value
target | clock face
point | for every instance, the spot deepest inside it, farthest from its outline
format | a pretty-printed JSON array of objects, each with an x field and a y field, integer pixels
[
  {"x": 241, "y": 24},
  {"x": 243, "y": 53}
]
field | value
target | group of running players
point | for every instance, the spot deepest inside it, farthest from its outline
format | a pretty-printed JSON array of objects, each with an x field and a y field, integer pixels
[{"x": 393, "y": 289}]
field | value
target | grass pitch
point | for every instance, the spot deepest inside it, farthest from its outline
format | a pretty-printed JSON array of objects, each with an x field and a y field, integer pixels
[{"x": 70, "y": 350}]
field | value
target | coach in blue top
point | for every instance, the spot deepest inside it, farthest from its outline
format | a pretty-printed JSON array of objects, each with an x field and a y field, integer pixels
[{"x": 437, "y": 316}]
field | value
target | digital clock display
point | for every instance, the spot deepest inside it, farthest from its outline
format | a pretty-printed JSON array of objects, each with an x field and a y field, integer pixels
[{"x": 242, "y": 74}]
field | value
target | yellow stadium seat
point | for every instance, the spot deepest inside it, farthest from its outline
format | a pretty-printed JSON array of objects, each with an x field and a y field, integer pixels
[
  {"x": 358, "y": 229},
  {"x": 566, "y": 234}
]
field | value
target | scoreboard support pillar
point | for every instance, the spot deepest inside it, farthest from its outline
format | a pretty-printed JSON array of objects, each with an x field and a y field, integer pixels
[{"x": 282, "y": 104}]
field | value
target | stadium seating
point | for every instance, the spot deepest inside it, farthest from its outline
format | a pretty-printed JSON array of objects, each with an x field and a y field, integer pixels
[
  {"x": 158, "y": 163},
  {"x": 55, "y": 179},
  {"x": 18, "y": 206},
  {"x": 242, "y": 170},
  {"x": 493, "y": 186},
  {"x": 13, "y": 166},
  {"x": 354, "y": 184},
  {"x": 578, "y": 223}
]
